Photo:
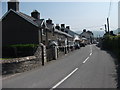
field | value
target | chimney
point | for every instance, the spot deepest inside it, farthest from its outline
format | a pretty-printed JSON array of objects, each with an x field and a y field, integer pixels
[
  {"x": 49, "y": 21},
  {"x": 13, "y": 4},
  {"x": 63, "y": 25},
  {"x": 68, "y": 27},
  {"x": 35, "y": 14},
  {"x": 84, "y": 30},
  {"x": 57, "y": 26}
]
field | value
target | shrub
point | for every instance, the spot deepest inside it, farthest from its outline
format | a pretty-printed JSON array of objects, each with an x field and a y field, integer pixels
[
  {"x": 112, "y": 43},
  {"x": 19, "y": 50}
]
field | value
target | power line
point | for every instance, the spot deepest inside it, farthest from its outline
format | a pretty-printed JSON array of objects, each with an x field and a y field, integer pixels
[
  {"x": 108, "y": 17},
  {"x": 109, "y": 9}
]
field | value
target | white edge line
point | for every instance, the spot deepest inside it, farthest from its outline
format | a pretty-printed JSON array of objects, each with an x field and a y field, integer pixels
[
  {"x": 64, "y": 79},
  {"x": 86, "y": 59}
]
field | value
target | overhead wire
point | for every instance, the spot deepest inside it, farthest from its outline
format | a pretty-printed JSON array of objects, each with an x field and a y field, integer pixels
[{"x": 109, "y": 8}]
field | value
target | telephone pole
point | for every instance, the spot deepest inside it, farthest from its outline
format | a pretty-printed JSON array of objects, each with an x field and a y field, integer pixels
[
  {"x": 105, "y": 28},
  {"x": 108, "y": 25}
]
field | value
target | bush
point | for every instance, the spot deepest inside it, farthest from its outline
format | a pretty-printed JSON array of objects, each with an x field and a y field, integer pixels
[
  {"x": 23, "y": 45},
  {"x": 112, "y": 43},
  {"x": 19, "y": 50}
]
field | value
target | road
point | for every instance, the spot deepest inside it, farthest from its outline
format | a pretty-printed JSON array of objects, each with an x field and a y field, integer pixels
[{"x": 88, "y": 67}]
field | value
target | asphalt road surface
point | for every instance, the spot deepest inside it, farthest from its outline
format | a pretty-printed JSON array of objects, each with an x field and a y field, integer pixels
[{"x": 88, "y": 67}]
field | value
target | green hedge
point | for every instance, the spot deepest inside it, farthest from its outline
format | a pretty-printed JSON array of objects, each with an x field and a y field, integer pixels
[
  {"x": 24, "y": 45},
  {"x": 19, "y": 50},
  {"x": 112, "y": 43}
]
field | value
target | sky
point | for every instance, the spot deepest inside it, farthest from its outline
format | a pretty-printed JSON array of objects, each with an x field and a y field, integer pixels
[
  {"x": 78, "y": 15},
  {"x": 119, "y": 15}
]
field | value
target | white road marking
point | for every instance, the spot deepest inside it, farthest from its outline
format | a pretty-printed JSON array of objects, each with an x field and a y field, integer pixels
[
  {"x": 10, "y": 76},
  {"x": 90, "y": 50},
  {"x": 90, "y": 54},
  {"x": 64, "y": 79},
  {"x": 86, "y": 59}
]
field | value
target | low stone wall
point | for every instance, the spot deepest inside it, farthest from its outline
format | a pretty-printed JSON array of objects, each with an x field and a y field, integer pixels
[
  {"x": 61, "y": 51},
  {"x": 49, "y": 54},
  {"x": 19, "y": 65},
  {"x": 55, "y": 52}
]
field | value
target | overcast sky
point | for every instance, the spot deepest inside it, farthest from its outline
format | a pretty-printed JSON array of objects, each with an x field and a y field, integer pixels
[{"x": 79, "y": 15}]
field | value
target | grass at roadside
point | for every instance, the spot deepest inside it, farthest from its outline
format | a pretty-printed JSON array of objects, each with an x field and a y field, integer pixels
[{"x": 5, "y": 58}]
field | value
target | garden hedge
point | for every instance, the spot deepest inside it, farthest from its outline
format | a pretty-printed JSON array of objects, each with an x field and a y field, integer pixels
[
  {"x": 112, "y": 43},
  {"x": 18, "y": 50}
]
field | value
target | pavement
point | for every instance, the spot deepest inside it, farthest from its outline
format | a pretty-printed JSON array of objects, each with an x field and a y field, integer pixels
[{"x": 88, "y": 67}]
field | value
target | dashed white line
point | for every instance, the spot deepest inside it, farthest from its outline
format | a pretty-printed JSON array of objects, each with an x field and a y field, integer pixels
[
  {"x": 90, "y": 54},
  {"x": 90, "y": 50},
  {"x": 64, "y": 79},
  {"x": 86, "y": 59}
]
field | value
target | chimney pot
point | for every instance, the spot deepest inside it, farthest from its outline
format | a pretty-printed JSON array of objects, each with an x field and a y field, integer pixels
[
  {"x": 35, "y": 14},
  {"x": 57, "y": 26},
  {"x": 63, "y": 25},
  {"x": 49, "y": 21},
  {"x": 68, "y": 27}
]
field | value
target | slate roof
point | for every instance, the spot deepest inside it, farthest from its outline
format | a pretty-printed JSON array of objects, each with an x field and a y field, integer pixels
[
  {"x": 26, "y": 17},
  {"x": 58, "y": 31},
  {"x": 89, "y": 32},
  {"x": 50, "y": 26},
  {"x": 33, "y": 21},
  {"x": 72, "y": 33}
]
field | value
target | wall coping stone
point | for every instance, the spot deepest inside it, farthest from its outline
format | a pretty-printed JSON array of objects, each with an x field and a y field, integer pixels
[{"x": 28, "y": 58}]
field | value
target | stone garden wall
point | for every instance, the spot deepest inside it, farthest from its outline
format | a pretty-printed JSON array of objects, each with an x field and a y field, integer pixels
[
  {"x": 17, "y": 65},
  {"x": 41, "y": 56}
]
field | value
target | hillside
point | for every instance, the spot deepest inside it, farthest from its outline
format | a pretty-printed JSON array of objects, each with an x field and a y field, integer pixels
[
  {"x": 96, "y": 33},
  {"x": 100, "y": 33}
]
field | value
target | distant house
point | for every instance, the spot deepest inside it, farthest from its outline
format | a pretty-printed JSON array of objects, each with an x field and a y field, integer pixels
[
  {"x": 69, "y": 32},
  {"x": 88, "y": 35},
  {"x": 50, "y": 31},
  {"x": 19, "y": 28},
  {"x": 72, "y": 33},
  {"x": 56, "y": 34},
  {"x": 63, "y": 35}
]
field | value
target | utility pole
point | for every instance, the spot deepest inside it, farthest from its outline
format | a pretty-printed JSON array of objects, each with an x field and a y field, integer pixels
[
  {"x": 105, "y": 28},
  {"x": 108, "y": 24}
]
